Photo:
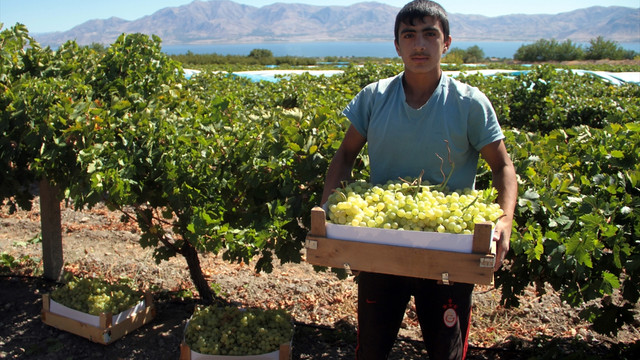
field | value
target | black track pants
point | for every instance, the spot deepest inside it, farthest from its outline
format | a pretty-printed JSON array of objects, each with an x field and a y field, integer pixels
[{"x": 443, "y": 311}]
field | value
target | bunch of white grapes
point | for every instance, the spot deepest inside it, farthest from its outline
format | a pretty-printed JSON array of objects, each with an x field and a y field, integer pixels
[
  {"x": 404, "y": 205},
  {"x": 215, "y": 330},
  {"x": 96, "y": 296}
]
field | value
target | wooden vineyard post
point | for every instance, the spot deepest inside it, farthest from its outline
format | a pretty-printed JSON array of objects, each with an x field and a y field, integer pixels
[{"x": 50, "y": 223}]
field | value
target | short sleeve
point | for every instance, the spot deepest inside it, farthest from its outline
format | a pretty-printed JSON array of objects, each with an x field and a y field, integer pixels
[
  {"x": 358, "y": 111},
  {"x": 483, "y": 127}
]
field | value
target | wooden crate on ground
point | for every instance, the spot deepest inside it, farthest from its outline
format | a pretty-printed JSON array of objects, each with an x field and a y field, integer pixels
[
  {"x": 469, "y": 260},
  {"x": 103, "y": 329}
]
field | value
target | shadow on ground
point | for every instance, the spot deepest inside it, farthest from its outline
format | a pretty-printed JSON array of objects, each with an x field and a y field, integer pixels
[{"x": 24, "y": 336}]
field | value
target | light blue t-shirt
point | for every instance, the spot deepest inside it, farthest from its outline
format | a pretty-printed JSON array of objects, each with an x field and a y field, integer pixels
[{"x": 403, "y": 141}]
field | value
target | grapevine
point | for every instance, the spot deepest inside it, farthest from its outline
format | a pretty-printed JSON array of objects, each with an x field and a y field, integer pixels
[
  {"x": 215, "y": 330},
  {"x": 96, "y": 296},
  {"x": 405, "y": 205}
]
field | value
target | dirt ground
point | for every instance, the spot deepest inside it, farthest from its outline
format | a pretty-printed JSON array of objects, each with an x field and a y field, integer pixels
[{"x": 96, "y": 243}]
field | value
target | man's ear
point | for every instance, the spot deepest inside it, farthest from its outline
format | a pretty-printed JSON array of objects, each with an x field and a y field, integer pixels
[{"x": 447, "y": 45}]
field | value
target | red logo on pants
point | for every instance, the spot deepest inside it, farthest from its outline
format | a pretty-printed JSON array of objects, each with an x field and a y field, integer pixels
[{"x": 450, "y": 316}]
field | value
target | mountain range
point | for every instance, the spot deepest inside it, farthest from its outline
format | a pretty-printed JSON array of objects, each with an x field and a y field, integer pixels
[{"x": 224, "y": 21}]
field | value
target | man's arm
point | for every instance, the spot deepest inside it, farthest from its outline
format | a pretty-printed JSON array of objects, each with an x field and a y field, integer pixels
[
  {"x": 504, "y": 180},
  {"x": 342, "y": 163}
]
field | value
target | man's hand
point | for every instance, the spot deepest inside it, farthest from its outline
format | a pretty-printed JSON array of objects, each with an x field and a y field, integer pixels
[{"x": 502, "y": 236}]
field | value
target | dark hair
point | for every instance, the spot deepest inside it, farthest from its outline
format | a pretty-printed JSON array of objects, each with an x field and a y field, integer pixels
[{"x": 419, "y": 9}]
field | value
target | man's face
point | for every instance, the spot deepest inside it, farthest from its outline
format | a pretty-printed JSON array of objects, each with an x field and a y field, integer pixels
[{"x": 421, "y": 45}]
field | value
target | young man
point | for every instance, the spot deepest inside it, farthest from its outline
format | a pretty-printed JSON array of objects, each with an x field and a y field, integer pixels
[{"x": 409, "y": 121}]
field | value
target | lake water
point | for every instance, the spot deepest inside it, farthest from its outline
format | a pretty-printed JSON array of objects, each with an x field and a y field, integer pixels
[{"x": 498, "y": 49}]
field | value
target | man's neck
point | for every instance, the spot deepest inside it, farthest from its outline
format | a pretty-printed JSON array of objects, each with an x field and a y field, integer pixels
[{"x": 418, "y": 87}]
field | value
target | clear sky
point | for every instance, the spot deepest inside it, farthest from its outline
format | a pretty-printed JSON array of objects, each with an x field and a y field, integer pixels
[{"x": 62, "y": 15}]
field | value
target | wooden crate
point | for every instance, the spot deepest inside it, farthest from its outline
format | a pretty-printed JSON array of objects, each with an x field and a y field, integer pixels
[
  {"x": 106, "y": 332},
  {"x": 475, "y": 267},
  {"x": 284, "y": 353}
]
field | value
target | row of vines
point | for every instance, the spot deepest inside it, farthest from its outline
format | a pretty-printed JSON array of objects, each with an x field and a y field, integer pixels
[{"x": 218, "y": 163}]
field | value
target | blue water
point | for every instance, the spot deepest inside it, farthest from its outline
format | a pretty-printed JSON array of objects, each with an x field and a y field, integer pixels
[{"x": 498, "y": 49}]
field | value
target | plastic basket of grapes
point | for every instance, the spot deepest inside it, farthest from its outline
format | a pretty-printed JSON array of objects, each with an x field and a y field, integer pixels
[{"x": 233, "y": 333}]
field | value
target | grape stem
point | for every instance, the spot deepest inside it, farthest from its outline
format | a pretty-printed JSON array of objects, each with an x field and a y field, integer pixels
[
  {"x": 342, "y": 195},
  {"x": 445, "y": 178},
  {"x": 471, "y": 204},
  {"x": 417, "y": 183},
  {"x": 443, "y": 185}
]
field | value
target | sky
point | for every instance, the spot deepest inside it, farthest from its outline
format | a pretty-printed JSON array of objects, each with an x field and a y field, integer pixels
[{"x": 62, "y": 15}]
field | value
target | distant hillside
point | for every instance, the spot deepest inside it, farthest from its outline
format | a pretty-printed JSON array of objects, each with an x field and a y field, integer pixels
[{"x": 224, "y": 21}]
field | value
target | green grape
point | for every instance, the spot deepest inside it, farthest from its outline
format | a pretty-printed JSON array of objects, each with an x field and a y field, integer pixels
[
  {"x": 407, "y": 206},
  {"x": 229, "y": 330},
  {"x": 96, "y": 296}
]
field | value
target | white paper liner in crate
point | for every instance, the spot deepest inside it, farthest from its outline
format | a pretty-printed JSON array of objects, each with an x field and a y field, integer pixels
[
  {"x": 275, "y": 355},
  {"x": 93, "y": 320},
  {"x": 462, "y": 243}
]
